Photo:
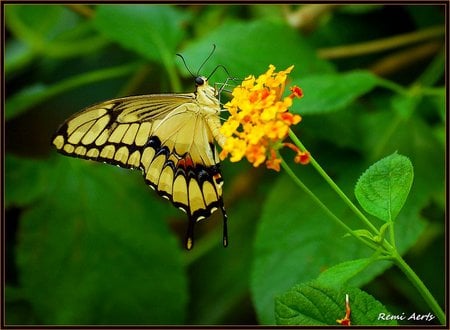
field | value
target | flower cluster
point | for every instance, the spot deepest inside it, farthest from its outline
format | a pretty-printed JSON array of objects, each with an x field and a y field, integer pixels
[{"x": 259, "y": 120}]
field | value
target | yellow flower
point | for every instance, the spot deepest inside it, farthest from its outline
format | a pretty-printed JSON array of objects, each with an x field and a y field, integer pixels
[{"x": 259, "y": 120}]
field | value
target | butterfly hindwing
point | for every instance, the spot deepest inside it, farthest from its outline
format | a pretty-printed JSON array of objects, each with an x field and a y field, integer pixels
[{"x": 167, "y": 136}]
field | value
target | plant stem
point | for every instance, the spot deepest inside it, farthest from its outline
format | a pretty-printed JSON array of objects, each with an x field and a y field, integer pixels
[
  {"x": 381, "y": 44},
  {"x": 434, "y": 71},
  {"x": 392, "y": 86},
  {"x": 420, "y": 286},
  {"x": 390, "y": 248},
  {"x": 169, "y": 65},
  {"x": 173, "y": 78},
  {"x": 334, "y": 186},
  {"x": 336, "y": 219},
  {"x": 392, "y": 235},
  {"x": 82, "y": 10},
  {"x": 397, "y": 61}
]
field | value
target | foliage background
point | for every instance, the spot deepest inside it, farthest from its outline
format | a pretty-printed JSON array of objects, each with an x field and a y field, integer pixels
[{"x": 89, "y": 243}]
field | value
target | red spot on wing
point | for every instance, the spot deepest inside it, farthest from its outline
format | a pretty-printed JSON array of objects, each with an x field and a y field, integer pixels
[{"x": 186, "y": 162}]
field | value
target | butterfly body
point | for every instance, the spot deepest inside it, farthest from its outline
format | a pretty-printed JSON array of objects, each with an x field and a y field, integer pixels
[{"x": 170, "y": 137}]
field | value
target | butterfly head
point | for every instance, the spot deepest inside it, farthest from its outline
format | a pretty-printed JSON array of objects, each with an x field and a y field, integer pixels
[
  {"x": 206, "y": 95},
  {"x": 200, "y": 81}
]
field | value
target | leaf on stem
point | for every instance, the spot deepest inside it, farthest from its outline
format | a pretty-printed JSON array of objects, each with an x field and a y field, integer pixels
[
  {"x": 315, "y": 304},
  {"x": 331, "y": 92},
  {"x": 341, "y": 273},
  {"x": 382, "y": 190},
  {"x": 139, "y": 28}
]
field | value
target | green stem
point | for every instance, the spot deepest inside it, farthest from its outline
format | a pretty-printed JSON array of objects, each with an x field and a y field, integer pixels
[
  {"x": 434, "y": 71},
  {"x": 420, "y": 286},
  {"x": 336, "y": 219},
  {"x": 381, "y": 44},
  {"x": 390, "y": 248},
  {"x": 393, "y": 86},
  {"x": 392, "y": 235},
  {"x": 173, "y": 78},
  {"x": 438, "y": 91},
  {"x": 428, "y": 78},
  {"x": 169, "y": 65},
  {"x": 334, "y": 186}
]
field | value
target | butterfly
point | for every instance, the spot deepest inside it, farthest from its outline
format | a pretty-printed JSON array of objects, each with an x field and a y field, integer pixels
[{"x": 169, "y": 137}]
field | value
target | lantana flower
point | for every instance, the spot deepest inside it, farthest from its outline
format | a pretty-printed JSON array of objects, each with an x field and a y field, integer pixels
[{"x": 259, "y": 120}]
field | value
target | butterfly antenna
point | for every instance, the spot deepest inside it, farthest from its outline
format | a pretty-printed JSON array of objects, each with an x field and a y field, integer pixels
[
  {"x": 224, "y": 68},
  {"x": 209, "y": 56},
  {"x": 185, "y": 65}
]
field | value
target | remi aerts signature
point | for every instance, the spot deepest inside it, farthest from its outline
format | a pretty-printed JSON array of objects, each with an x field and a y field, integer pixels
[{"x": 408, "y": 317}]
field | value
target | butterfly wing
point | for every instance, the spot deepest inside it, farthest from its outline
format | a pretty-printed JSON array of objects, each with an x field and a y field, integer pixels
[{"x": 167, "y": 136}]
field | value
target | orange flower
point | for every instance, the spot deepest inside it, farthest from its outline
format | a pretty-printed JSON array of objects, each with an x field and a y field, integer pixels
[
  {"x": 301, "y": 157},
  {"x": 260, "y": 119},
  {"x": 273, "y": 162},
  {"x": 296, "y": 92}
]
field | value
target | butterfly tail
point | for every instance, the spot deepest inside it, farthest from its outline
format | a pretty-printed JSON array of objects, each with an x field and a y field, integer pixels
[
  {"x": 225, "y": 228},
  {"x": 189, "y": 243}
]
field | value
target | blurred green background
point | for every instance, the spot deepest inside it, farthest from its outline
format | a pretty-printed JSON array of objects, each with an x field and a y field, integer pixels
[{"x": 89, "y": 243}]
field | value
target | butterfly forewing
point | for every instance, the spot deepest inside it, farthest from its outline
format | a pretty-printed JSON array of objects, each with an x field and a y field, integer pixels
[{"x": 170, "y": 137}]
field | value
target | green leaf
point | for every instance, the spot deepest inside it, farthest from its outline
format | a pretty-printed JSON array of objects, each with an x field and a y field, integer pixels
[
  {"x": 61, "y": 34},
  {"x": 96, "y": 250},
  {"x": 331, "y": 92},
  {"x": 368, "y": 235},
  {"x": 340, "y": 274},
  {"x": 152, "y": 31},
  {"x": 36, "y": 94},
  {"x": 361, "y": 233},
  {"x": 296, "y": 241},
  {"x": 246, "y": 48},
  {"x": 227, "y": 285},
  {"x": 383, "y": 188},
  {"x": 343, "y": 128},
  {"x": 17, "y": 55},
  {"x": 26, "y": 22},
  {"x": 19, "y": 173},
  {"x": 383, "y": 230},
  {"x": 315, "y": 304}
]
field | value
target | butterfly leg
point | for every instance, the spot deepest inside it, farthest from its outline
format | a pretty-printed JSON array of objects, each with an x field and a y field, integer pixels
[{"x": 190, "y": 234}]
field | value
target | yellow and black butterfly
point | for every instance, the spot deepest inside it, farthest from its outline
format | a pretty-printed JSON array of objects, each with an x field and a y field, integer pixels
[{"x": 170, "y": 137}]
